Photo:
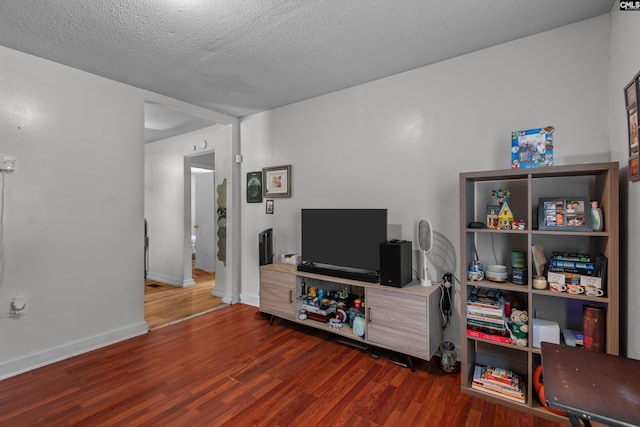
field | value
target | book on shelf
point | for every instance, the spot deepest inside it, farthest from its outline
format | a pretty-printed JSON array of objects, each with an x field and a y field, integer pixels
[
  {"x": 493, "y": 311},
  {"x": 485, "y": 297},
  {"x": 572, "y": 264},
  {"x": 500, "y": 382},
  {"x": 519, "y": 399},
  {"x": 488, "y": 327},
  {"x": 571, "y": 256},
  {"x": 490, "y": 320},
  {"x": 577, "y": 271},
  {"x": 490, "y": 337}
]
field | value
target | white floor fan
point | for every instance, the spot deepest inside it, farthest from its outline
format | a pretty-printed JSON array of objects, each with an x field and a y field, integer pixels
[{"x": 425, "y": 243}]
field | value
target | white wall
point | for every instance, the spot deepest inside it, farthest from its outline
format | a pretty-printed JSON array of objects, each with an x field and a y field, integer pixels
[
  {"x": 400, "y": 142},
  {"x": 165, "y": 198},
  {"x": 73, "y": 210},
  {"x": 624, "y": 65}
]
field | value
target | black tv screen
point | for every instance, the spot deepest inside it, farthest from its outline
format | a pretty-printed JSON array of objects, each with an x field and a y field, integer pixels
[{"x": 344, "y": 237}]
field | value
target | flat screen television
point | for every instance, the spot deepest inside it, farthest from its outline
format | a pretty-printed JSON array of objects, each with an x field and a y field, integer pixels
[{"x": 344, "y": 240}]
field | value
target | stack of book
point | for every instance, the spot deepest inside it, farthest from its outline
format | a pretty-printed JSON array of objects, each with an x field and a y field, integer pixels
[
  {"x": 499, "y": 382},
  {"x": 485, "y": 315},
  {"x": 572, "y": 262}
]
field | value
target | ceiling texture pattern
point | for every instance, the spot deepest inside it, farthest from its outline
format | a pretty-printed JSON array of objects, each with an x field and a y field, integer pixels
[{"x": 243, "y": 56}]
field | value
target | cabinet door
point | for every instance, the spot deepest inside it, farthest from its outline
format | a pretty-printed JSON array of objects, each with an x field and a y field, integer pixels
[
  {"x": 277, "y": 293},
  {"x": 398, "y": 321}
]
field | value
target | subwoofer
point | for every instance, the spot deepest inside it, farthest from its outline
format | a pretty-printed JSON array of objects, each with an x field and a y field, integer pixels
[{"x": 395, "y": 263}]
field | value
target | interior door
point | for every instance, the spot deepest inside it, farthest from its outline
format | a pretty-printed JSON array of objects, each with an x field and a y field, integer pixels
[{"x": 205, "y": 220}]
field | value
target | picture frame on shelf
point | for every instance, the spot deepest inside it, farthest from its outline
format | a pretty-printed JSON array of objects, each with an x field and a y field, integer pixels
[
  {"x": 276, "y": 181},
  {"x": 254, "y": 187},
  {"x": 532, "y": 148},
  {"x": 564, "y": 214}
]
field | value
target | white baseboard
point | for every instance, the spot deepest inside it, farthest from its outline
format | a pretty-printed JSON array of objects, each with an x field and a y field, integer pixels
[
  {"x": 250, "y": 299},
  {"x": 56, "y": 354},
  {"x": 170, "y": 280}
]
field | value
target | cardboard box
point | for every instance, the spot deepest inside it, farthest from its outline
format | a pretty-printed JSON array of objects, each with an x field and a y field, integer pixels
[{"x": 545, "y": 330}]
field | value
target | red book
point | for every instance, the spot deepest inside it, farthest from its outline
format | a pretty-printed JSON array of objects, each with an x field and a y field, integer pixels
[{"x": 489, "y": 337}]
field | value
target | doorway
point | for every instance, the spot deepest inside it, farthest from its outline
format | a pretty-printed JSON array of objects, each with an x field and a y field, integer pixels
[
  {"x": 202, "y": 211},
  {"x": 179, "y": 258},
  {"x": 166, "y": 304}
]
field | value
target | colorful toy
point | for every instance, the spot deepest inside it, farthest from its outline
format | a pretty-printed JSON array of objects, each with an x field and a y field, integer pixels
[
  {"x": 505, "y": 217},
  {"x": 335, "y": 323},
  {"x": 501, "y": 194}
]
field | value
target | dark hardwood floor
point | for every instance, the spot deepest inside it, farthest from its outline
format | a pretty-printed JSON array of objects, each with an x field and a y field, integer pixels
[{"x": 231, "y": 368}]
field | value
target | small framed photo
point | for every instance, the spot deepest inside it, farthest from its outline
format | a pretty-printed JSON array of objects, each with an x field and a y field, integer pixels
[
  {"x": 269, "y": 207},
  {"x": 276, "y": 181},
  {"x": 532, "y": 148},
  {"x": 631, "y": 94},
  {"x": 254, "y": 187},
  {"x": 564, "y": 214}
]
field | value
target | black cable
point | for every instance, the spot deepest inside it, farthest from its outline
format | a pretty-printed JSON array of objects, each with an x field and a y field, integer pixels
[{"x": 446, "y": 300}]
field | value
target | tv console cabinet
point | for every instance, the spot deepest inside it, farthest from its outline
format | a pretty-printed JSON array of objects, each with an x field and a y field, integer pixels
[{"x": 405, "y": 320}]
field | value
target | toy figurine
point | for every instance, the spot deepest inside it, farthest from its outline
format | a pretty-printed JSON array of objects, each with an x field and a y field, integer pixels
[
  {"x": 519, "y": 327},
  {"x": 522, "y": 225},
  {"x": 505, "y": 217},
  {"x": 335, "y": 323}
]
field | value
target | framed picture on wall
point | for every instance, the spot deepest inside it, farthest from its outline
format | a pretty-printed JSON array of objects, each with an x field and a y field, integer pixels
[
  {"x": 632, "y": 122},
  {"x": 254, "y": 187},
  {"x": 631, "y": 92},
  {"x": 276, "y": 181},
  {"x": 269, "y": 207}
]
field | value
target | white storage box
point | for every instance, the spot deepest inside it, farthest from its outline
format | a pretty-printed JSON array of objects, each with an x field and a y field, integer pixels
[{"x": 545, "y": 330}]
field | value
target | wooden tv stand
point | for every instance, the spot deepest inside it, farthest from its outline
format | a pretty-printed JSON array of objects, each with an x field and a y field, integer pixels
[{"x": 406, "y": 320}]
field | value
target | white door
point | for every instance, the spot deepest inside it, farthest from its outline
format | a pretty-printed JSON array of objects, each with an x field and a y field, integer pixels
[{"x": 205, "y": 221}]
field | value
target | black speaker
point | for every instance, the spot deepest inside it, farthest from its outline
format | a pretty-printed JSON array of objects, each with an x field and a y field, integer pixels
[{"x": 395, "y": 263}]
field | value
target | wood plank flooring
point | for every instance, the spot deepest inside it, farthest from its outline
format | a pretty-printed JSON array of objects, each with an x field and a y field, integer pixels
[
  {"x": 232, "y": 368},
  {"x": 166, "y": 304}
]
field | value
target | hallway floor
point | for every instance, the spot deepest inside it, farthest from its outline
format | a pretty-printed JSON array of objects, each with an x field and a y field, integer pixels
[{"x": 166, "y": 304}]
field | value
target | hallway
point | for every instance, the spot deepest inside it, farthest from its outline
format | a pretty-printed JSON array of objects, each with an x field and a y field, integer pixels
[{"x": 166, "y": 304}]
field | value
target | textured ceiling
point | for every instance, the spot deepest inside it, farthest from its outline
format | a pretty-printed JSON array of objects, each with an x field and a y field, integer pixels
[{"x": 243, "y": 56}]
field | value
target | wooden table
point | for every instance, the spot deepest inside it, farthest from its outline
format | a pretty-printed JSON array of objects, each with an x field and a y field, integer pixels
[{"x": 589, "y": 385}]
